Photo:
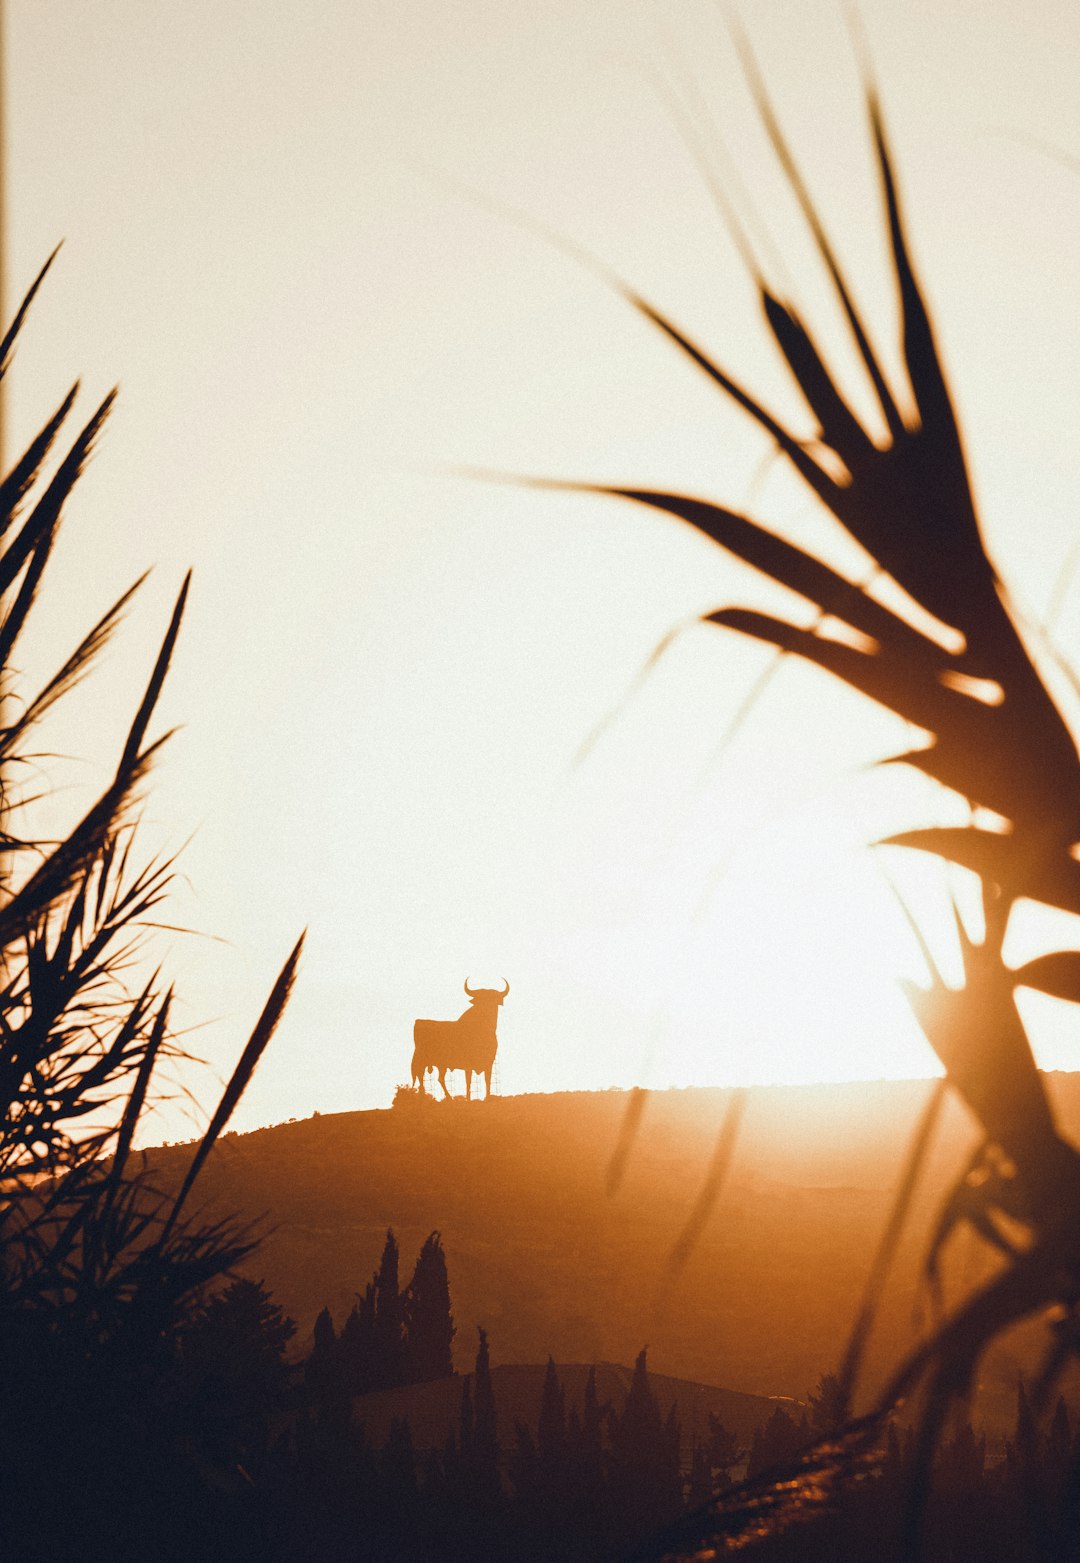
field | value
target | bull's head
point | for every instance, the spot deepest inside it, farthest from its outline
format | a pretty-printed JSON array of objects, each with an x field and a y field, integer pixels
[{"x": 486, "y": 993}]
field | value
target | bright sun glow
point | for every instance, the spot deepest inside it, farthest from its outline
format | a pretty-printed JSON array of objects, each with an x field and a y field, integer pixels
[{"x": 387, "y": 674}]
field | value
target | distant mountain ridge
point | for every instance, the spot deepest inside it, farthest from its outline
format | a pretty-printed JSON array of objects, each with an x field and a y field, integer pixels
[{"x": 549, "y": 1263}]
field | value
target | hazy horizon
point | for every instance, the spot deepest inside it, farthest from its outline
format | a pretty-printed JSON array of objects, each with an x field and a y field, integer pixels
[{"x": 388, "y": 672}]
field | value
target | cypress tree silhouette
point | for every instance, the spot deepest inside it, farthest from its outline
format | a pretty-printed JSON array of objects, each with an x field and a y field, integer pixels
[
  {"x": 370, "y": 1351},
  {"x": 591, "y": 1455},
  {"x": 1022, "y": 1450},
  {"x": 356, "y": 1351},
  {"x": 551, "y": 1445},
  {"x": 428, "y": 1323},
  {"x": 388, "y": 1333},
  {"x": 485, "y": 1445},
  {"x": 700, "y": 1488},
  {"x": 893, "y": 1468},
  {"x": 558, "y": 1478},
  {"x": 1058, "y": 1457},
  {"x": 466, "y": 1425},
  {"x": 722, "y": 1449},
  {"x": 644, "y": 1483},
  {"x": 542, "y": 1470},
  {"x": 775, "y": 1441},
  {"x": 322, "y": 1438},
  {"x": 321, "y": 1367},
  {"x": 828, "y": 1405},
  {"x": 640, "y": 1419},
  {"x": 962, "y": 1462}
]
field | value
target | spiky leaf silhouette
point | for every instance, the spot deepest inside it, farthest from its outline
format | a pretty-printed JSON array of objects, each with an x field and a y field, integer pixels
[
  {"x": 961, "y": 672},
  {"x": 97, "y": 1263},
  {"x": 995, "y": 733}
]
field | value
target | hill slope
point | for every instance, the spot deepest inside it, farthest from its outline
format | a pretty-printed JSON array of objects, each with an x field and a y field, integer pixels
[{"x": 542, "y": 1256}]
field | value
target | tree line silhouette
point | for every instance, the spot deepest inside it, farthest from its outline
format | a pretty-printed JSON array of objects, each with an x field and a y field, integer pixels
[
  {"x": 577, "y": 1484},
  {"x": 260, "y": 1454},
  {"x": 391, "y": 1336},
  {"x": 1021, "y": 1506}
]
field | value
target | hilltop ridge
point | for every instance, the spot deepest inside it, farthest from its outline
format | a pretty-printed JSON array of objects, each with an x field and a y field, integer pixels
[{"x": 551, "y": 1263}]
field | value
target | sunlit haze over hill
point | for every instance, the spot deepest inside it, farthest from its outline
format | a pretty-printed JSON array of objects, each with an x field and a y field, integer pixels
[{"x": 415, "y": 708}]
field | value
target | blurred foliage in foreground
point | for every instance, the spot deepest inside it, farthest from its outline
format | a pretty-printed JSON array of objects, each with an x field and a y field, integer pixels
[
  {"x": 101, "y": 1272},
  {"x": 946, "y": 653}
]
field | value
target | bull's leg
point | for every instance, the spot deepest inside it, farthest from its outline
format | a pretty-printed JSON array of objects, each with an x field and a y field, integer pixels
[
  {"x": 442, "y": 1082},
  {"x": 468, "y": 1085},
  {"x": 487, "y": 1084}
]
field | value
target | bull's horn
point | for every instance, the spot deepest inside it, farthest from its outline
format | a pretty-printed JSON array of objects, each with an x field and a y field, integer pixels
[
  {"x": 468, "y": 990},
  {"x": 506, "y": 990}
]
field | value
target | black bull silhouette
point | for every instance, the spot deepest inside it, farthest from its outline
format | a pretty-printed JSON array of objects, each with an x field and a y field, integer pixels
[{"x": 467, "y": 1043}]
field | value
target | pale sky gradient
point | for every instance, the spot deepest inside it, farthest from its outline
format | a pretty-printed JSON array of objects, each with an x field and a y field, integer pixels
[{"x": 387, "y": 671}]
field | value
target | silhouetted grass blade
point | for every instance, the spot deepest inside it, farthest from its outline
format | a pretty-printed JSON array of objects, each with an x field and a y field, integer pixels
[
  {"x": 839, "y": 426},
  {"x": 890, "y": 1237},
  {"x": 18, "y": 481},
  {"x": 153, "y": 688},
  {"x": 46, "y": 513},
  {"x": 787, "y": 162},
  {"x": 241, "y": 1075},
  {"x": 781, "y": 1499},
  {"x": 710, "y": 1190},
  {"x": 8, "y": 340},
  {"x": 628, "y": 1129},
  {"x": 76, "y": 666},
  {"x": 818, "y": 479}
]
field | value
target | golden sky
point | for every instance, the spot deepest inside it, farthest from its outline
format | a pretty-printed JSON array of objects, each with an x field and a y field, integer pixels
[{"x": 387, "y": 671}]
